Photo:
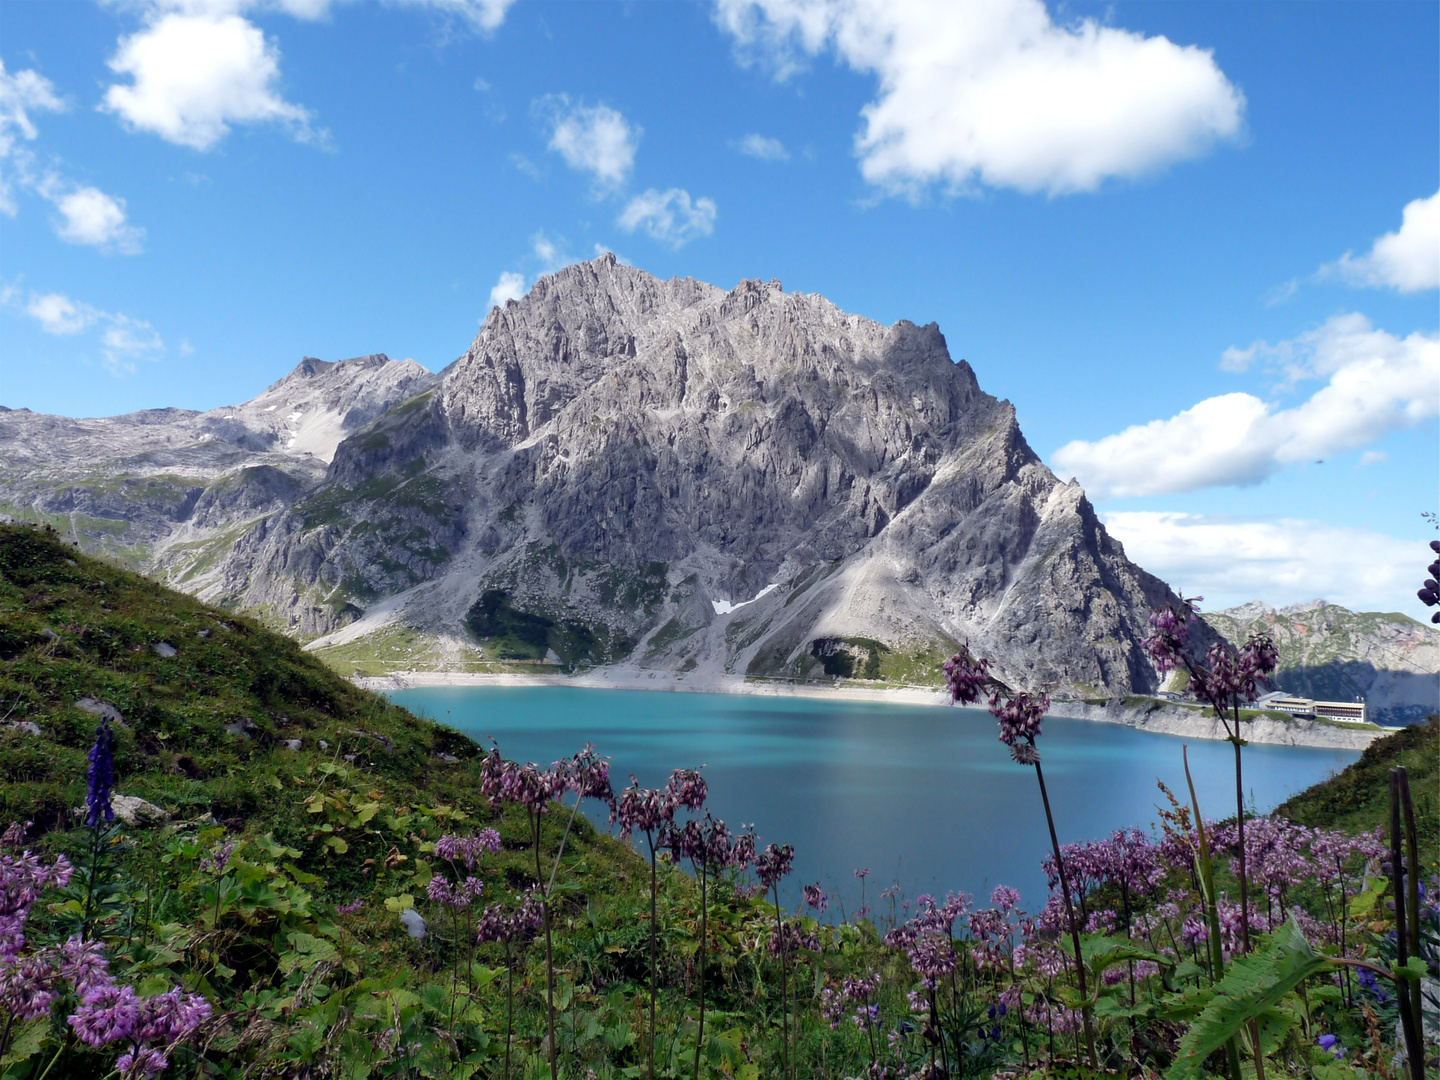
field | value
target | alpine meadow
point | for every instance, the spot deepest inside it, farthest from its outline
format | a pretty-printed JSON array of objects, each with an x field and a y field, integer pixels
[{"x": 720, "y": 540}]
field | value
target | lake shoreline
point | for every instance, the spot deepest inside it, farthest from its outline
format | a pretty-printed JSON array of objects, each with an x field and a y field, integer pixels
[{"x": 1160, "y": 719}]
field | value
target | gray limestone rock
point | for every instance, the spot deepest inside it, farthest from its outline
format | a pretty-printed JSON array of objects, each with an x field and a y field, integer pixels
[{"x": 662, "y": 474}]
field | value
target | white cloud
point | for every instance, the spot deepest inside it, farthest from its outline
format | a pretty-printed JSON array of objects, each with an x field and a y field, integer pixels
[
  {"x": 1281, "y": 561},
  {"x": 123, "y": 341},
  {"x": 511, "y": 286},
  {"x": 127, "y": 340},
  {"x": 591, "y": 138},
  {"x": 1407, "y": 260},
  {"x": 58, "y": 314},
  {"x": 484, "y": 16},
  {"x": 195, "y": 75},
  {"x": 1373, "y": 457},
  {"x": 89, "y": 216},
  {"x": 20, "y": 94},
  {"x": 994, "y": 92},
  {"x": 669, "y": 216},
  {"x": 1376, "y": 383},
  {"x": 762, "y": 147}
]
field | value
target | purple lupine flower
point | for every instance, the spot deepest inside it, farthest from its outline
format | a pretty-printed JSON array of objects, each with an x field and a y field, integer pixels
[
  {"x": 774, "y": 863},
  {"x": 815, "y": 897},
  {"x": 101, "y": 778}
]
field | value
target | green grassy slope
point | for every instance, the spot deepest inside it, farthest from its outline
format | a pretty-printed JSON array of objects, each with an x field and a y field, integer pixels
[
  {"x": 207, "y": 730},
  {"x": 1358, "y": 798}
]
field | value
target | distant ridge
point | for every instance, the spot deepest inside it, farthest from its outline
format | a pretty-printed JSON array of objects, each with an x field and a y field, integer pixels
[{"x": 1331, "y": 653}]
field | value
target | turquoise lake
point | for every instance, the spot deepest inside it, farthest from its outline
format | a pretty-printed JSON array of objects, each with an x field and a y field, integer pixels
[{"x": 923, "y": 796}]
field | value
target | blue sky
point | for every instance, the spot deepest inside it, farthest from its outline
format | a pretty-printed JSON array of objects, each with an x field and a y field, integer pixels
[{"x": 1197, "y": 245}]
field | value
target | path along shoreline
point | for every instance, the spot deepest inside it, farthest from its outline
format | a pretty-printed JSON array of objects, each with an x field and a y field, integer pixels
[{"x": 1160, "y": 718}]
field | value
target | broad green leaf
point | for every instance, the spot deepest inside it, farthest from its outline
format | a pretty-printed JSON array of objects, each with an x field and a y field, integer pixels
[
  {"x": 1252, "y": 985},
  {"x": 1413, "y": 968},
  {"x": 1363, "y": 904},
  {"x": 26, "y": 1041},
  {"x": 399, "y": 903}
]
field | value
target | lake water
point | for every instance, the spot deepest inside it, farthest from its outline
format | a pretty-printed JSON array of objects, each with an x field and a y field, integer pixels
[{"x": 923, "y": 796}]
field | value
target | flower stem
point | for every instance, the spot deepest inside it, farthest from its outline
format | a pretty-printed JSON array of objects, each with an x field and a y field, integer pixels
[{"x": 1070, "y": 914}]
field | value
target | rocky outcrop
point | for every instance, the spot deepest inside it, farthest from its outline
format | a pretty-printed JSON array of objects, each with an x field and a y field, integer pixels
[
  {"x": 673, "y": 477},
  {"x": 1330, "y": 653}
]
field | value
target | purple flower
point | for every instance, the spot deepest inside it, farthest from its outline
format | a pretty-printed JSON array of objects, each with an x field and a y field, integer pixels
[
  {"x": 646, "y": 810},
  {"x": 106, "y": 1013},
  {"x": 146, "y": 1061},
  {"x": 216, "y": 862},
  {"x": 101, "y": 778},
  {"x": 350, "y": 908},
  {"x": 1005, "y": 898},
  {"x": 789, "y": 938},
  {"x": 467, "y": 849},
  {"x": 1170, "y": 629},
  {"x": 774, "y": 863},
  {"x": 498, "y": 925},
  {"x": 863, "y": 873},
  {"x": 966, "y": 677},
  {"x": 1019, "y": 716},
  {"x": 686, "y": 789},
  {"x": 83, "y": 963},
  {"x": 587, "y": 774},
  {"x": 815, "y": 897}
]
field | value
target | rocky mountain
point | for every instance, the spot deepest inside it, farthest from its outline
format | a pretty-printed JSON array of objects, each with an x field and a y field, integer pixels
[
  {"x": 663, "y": 474},
  {"x": 1330, "y": 653},
  {"x": 150, "y": 488}
]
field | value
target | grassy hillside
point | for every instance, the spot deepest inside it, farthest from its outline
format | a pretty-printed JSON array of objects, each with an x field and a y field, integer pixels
[
  {"x": 293, "y": 887},
  {"x": 1358, "y": 798}
]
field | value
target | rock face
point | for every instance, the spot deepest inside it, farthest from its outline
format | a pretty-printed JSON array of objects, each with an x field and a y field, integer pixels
[
  {"x": 1330, "y": 653},
  {"x": 672, "y": 476},
  {"x": 159, "y": 489}
]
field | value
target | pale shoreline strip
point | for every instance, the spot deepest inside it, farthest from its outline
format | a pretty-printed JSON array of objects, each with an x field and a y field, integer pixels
[{"x": 1164, "y": 719}]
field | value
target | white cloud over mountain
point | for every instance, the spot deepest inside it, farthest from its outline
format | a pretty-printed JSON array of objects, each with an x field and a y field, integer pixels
[
  {"x": 511, "y": 286},
  {"x": 1375, "y": 383},
  {"x": 1407, "y": 260},
  {"x": 994, "y": 92},
  {"x": 669, "y": 216},
  {"x": 1280, "y": 561},
  {"x": 591, "y": 138}
]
